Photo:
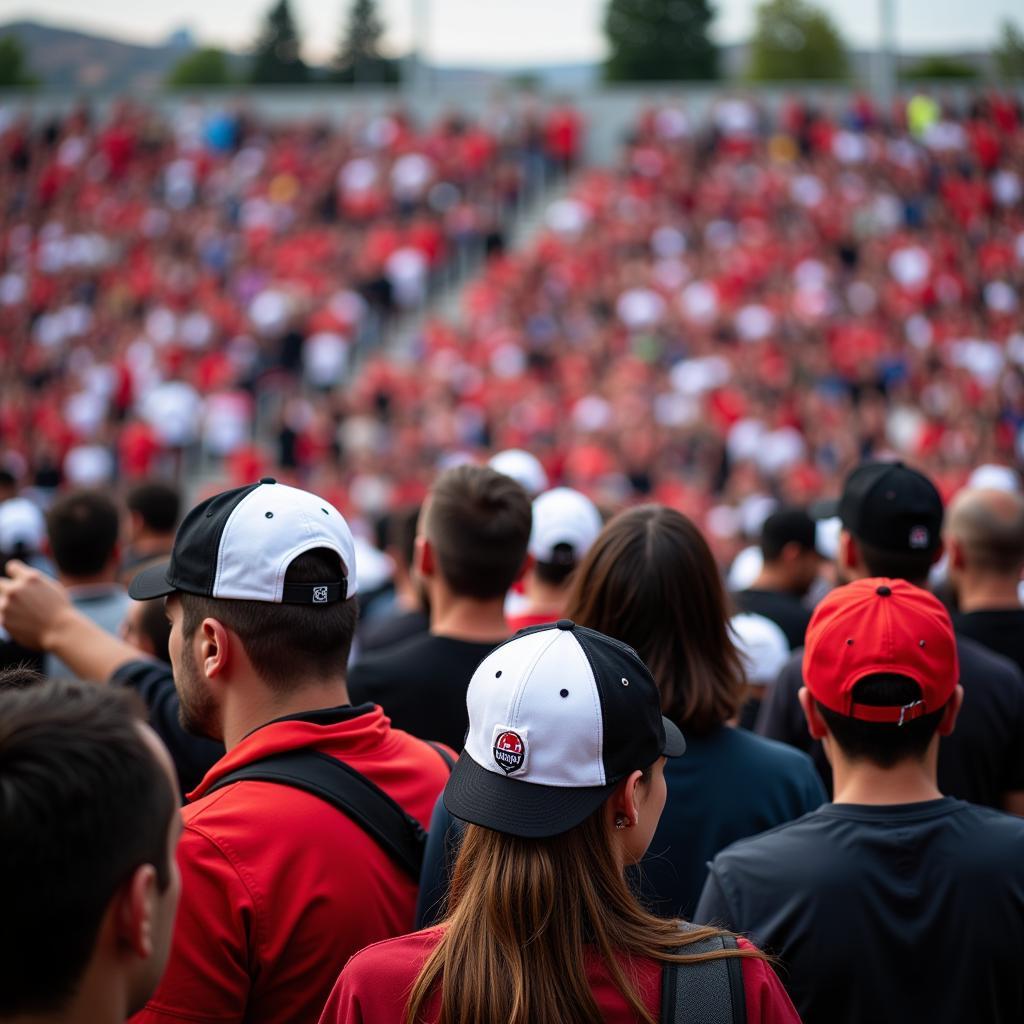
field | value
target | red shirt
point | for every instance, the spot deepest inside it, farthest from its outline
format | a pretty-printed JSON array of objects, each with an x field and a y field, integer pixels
[
  {"x": 279, "y": 889},
  {"x": 374, "y": 987}
]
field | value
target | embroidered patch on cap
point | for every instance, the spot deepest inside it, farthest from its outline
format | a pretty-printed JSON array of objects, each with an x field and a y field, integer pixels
[
  {"x": 319, "y": 595},
  {"x": 919, "y": 538},
  {"x": 509, "y": 749}
]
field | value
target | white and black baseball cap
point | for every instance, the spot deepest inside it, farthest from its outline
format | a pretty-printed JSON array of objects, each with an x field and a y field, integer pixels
[
  {"x": 558, "y": 716},
  {"x": 239, "y": 544},
  {"x": 564, "y": 521}
]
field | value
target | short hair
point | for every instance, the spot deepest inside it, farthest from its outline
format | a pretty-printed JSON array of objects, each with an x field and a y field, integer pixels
[
  {"x": 912, "y": 566},
  {"x": 82, "y": 527},
  {"x": 158, "y": 504},
  {"x": 883, "y": 743},
  {"x": 400, "y": 533},
  {"x": 83, "y": 804},
  {"x": 286, "y": 642},
  {"x": 478, "y": 522},
  {"x": 651, "y": 581},
  {"x": 786, "y": 526},
  {"x": 557, "y": 574},
  {"x": 990, "y": 526}
]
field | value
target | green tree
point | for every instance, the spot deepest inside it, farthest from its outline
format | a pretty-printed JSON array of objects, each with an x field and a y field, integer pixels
[
  {"x": 276, "y": 58},
  {"x": 14, "y": 73},
  {"x": 938, "y": 66},
  {"x": 793, "y": 40},
  {"x": 359, "y": 60},
  {"x": 1009, "y": 54},
  {"x": 207, "y": 66},
  {"x": 659, "y": 40}
]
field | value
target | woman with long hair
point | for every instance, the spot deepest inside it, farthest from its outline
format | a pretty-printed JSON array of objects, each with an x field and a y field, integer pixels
[
  {"x": 651, "y": 581},
  {"x": 562, "y": 783}
]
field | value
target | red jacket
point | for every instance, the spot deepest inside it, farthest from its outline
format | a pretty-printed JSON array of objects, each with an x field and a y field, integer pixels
[
  {"x": 374, "y": 987},
  {"x": 279, "y": 888}
]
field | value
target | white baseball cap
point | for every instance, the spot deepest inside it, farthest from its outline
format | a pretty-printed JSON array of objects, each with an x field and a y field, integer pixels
[
  {"x": 563, "y": 516},
  {"x": 239, "y": 544},
  {"x": 21, "y": 526},
  {"x": 523, "y": 467},
  {"x": 558, "y": 716},
  {"x": 762, "y": 647}
]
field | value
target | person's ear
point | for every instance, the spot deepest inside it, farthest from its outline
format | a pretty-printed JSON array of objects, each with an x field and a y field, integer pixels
[
  {"x": 938, "y": 552},
  {"x": 214, "y": 653},
  {"x": 956, "y": 553},
  {"x": 135, "y": 911},
  {"x": 948, "y": 721},
  {"x": 848, "y": 556},
  {"x": 528, "y": 563},
  {"x": 791, "y": 552},
  {"x": 815, "y": 723},
  {"x": 623, "y": 806},
  {"x": 423, "y": 558}
]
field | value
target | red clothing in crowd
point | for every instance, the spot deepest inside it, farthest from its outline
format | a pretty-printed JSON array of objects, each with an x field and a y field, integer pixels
[
  {"x": 280, "y": 888},
  {"x": 374, "y": 987}
]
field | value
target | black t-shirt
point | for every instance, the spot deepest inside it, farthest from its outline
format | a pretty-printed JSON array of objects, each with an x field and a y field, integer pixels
[
  {"x": 377, "y": 634},
  {"x": 912, "y": 912},
  {"x": 784, "y": 610},
  {"x": 999, "y": 631},
  {"x": 980, "y": 761},
  {"x": 421, "y": 684},
  {"x": 153, "y": 681}
]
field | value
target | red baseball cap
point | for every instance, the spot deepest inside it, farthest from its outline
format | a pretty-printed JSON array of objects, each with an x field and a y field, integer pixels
[{"x": 880, "y": 626}]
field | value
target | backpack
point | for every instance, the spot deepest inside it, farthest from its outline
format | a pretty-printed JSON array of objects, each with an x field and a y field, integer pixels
[
  {"x": 708, "y": 992},
  {"x": 397, "y": 832}
]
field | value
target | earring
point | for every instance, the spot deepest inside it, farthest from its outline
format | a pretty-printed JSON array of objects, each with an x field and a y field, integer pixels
[{"x": 620, "y": 822}]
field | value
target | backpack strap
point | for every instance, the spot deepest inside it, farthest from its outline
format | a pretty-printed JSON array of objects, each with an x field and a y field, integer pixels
[
  {"x": 443, "y": 754},
  {"x": 398, "y": 833},
  {"x": 708, "y": 992}
]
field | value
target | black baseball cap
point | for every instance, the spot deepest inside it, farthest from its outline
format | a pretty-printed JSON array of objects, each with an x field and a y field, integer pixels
[
  {"x": 558, "y": 716},
  {"x": 789, "y": 525},
  {"x": 238, "y": 545},
  {"x": 889, "y": 506}
]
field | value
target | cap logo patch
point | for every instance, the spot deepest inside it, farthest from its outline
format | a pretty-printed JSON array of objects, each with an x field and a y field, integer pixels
[
  {"x": 319, "y": 595},
  {"x": 509, "y": 750},
  {"x": 919, "y": 538}
]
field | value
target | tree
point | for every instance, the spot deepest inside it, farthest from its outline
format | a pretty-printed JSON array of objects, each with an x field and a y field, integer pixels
[
  {"x": 793, "y": 40},
  {"x": 359, "y": 60},
  {"x": 938, "y": 66},
  {"x": 14, "y": 73},
  {"x": 276, "y": 58},
  {"x": 1009, "y": 54},
  {"x": 659, "y": 40},
  {"x": 208, "y": 66}
]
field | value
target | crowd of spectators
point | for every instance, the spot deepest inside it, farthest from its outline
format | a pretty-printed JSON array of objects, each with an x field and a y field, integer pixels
[{"x": 158, "y": 274}]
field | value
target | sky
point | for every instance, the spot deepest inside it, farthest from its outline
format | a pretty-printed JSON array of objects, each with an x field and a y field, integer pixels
[{"x": 500, "y": 32}]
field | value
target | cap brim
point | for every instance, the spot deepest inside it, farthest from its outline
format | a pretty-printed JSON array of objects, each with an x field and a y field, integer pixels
[
  {"x": 151, "y": 583},
  {"x": 675, "y": 743},
  {"x": 515, "y": 807},
  {"x": 528, "y": 809}
]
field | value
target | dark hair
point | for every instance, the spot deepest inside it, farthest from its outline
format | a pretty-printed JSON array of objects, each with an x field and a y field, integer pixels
[
  {"x": 651, "y": 581},
  {"x": 478, "y": 522},
  {"x": 83, "y": 803},
  {"x": 286, "y": 642},
  {"x": 157, "y": 503},
  {"x": 19, "y": 678},
  {"x": 82, "y": 528},
  {"x": 400, "y": 533},
  {"x": 883, "y": 743},
  {"x": 912, "y": 566},
  {"x": 557, "y": 573},
  {"x": 783, "y": 527},
  {"x": 155, "y": 626}
]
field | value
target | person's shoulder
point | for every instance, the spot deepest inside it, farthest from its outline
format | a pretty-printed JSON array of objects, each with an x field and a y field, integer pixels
[
  {"x": 980, "y": 664},
  {"x": 805, "y": 830},
  {"x": 402, "y": 955},
  {"x": 764, "y": 754},
  {"x": 975, "y": 820},
  {"x": 382, "y": 661}
]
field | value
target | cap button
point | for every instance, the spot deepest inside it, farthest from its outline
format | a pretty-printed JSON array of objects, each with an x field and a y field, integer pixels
[
  {"x": 268, "y": 480},
  {"x": 565, "y": 624},
  {"x": 884, "y": 591}
]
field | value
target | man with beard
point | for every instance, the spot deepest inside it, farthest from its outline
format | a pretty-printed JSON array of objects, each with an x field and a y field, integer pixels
[{"x": 280, "y": 887}]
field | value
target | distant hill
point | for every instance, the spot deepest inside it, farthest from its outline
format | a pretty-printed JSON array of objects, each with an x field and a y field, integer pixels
[{"x": 77, "y": 61}]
